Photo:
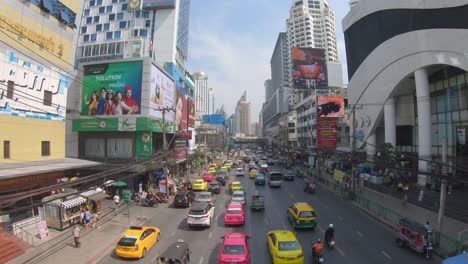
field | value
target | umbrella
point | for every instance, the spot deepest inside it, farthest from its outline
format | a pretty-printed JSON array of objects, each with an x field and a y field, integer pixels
[
  {"x": 109, "y": 183},
  {"x": 120, "y": 184},
  {"x": 74, "y": 178},
  {"x": 64, "y": 179}
]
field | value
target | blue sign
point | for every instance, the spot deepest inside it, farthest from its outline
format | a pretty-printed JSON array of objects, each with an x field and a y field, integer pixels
[{"x": 214, "y": 119}]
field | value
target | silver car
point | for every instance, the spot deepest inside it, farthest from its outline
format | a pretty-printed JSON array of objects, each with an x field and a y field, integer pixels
[
  {"x": 206, "y": 197},
  {"x": 238, "y": 197}
]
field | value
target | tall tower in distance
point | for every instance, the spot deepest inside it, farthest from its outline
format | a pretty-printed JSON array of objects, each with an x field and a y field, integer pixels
[
  {"x": 202, "y": 96},
  {"x": 243, "y": 115}
]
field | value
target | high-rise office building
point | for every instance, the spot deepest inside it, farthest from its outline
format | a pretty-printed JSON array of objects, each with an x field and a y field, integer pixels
[
  {"x": 113, "y": 29},
  {"x": 268, "y": 89},
  {"x": 202, "y": 103},
  {"x": 243, "y": 115},
  {"x": 211, "y": 102}
]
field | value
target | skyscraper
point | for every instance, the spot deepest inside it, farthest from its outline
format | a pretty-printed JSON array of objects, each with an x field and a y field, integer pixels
[
  {"x": 211, "y": 102},
  {"x": 243, "y": 115},
  {"x": 268, "y": 89},
  {"x": 202, "y": 103}
]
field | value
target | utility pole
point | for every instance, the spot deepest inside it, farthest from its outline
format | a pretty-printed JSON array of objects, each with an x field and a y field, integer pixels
[
  {"x": 163, "y": 110},
  {"x": 443, "y": 184}
]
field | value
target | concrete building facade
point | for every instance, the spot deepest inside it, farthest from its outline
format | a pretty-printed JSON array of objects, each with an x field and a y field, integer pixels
[{"x": 243, "y": 116}]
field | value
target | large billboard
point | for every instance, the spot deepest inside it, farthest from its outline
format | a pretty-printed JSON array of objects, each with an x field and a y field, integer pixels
[
  {"x": 214, "y": 119},
  {"x": 158, "y": 4},
  {"x": 330, "y": 106},
  {"x": 191, "y": 113},
  {"x": 181, "y": 111},
  {"x": 309, "y": 68},
  {"x": 326, "y": 132},
  {"x": 161, "y": 93},
  {"x": 112, "y": 89}
]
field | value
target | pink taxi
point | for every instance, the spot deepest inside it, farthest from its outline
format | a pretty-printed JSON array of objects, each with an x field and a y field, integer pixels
[
  {"x": 235, "y": 214},
  {"x": 208, "y": 177},
  {"x": 235, "y": 249}
]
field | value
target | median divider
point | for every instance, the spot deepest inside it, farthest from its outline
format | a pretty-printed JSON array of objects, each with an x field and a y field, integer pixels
[{"x": 443, "y": 244}]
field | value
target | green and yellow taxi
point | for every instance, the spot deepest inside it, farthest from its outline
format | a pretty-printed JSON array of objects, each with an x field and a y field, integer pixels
[
  {"x": 302, "y": 215},
  {"x": 137, "y": 241},
  {"x": 235, "y": 186},
  {"x": 212, "y": 170},
  {"x": 284, "y": 247},
  {"x": 199, "y": 185}
]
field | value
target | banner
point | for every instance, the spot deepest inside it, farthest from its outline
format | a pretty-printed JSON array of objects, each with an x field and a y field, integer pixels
[
  {"x": 330, "y": 106},
  {"x": 181, "y": 111},
  {"x": 326, "y": 132},
  {"x": 161, "y": 93},
  {"x": 179, "y": 153},
  {"x": 112, "y": 89},
  {"x": 184, "y": 135},
  {"x": 144, "y": 145},
  {"x": 309, "y": 68},
  {"x": 191, "y": 113}
]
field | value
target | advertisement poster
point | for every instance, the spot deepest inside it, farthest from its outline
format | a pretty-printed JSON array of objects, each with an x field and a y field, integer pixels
[
  {"x": 191, "y": 113},
  {"x": 181, "y": 111},
  {"x": 161, "y": 93},
  {"x": 326, "y": 132},
  {"x": 112, "y": 89},
  {"x": 144, "y": 145},
  {"x": 42, "y": 228},
  {"x": 179, "y": 153},
  {"x": 330, "y": 106},
  {"x": 309, "y": 68}
]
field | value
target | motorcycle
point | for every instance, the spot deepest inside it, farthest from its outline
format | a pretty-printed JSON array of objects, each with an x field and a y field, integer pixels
[
  {"x": 317, "y": 258},
  {"x": 149, "y": 201},
  {"x": 309, "y": 187},
  {"x": 428, "y": 250},
  {"x": 331, "y": 242}
]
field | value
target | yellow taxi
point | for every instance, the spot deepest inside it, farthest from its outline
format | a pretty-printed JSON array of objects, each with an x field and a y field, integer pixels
[
  {"x": 284, "y": 247},
  {"x": 199, "y": 185},
  {"x": 253, "y": 174},
  {"x": 137, "y": 241},
  {"x": 235, "y": 186},
  {"x": 212, "y": 170},
  {"x": 302, "y": 215},
  {"x": 224, "y": 168}
]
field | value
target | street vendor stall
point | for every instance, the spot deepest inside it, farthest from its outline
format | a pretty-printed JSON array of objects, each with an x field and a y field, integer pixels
[
  {"x": 62, "y": 210},
  {"x": 94, "y": 200}
]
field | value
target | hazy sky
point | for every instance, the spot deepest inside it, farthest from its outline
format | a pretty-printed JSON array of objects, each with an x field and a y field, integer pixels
[{"x": 232, "y": 41}]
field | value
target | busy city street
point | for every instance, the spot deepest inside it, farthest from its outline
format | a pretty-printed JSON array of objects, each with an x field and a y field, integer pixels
[{"x": 359, "y": 238}]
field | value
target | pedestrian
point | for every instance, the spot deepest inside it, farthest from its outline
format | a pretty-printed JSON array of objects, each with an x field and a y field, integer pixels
[
  {"x": 95, "y": 221},
  {"x": 76, "y": 236},
  {"x": 421, "y": 196},
  {"x": 116, "y": 202},
  {"x": 87, "y": 218},
  {"x": 82, "y": 221},
  {"x": 404, "y": 201},
  {"x": 450, "y": 189}
]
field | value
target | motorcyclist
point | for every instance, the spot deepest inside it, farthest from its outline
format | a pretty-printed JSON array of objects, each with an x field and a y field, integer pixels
[
  {"x": 329, "y": 233},
  {"x": 317, "y": 248}
]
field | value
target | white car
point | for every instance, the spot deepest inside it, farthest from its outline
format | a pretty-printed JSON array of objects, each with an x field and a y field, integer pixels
[
  {"x": 238, "y": 197},
  {"x": 200, "y": 214}
]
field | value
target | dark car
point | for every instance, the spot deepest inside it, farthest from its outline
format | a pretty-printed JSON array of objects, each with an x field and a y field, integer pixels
[
  {"x": 289, "y": 175},
  {"x": 221, "y": 179},
  {"x": 178, "y": 253},
  {"x": 214, "y": 187},
  {"x": 260, "y": 179},
  {"x": 184, "y": 199},
  {"x": 270, "y": 162}
]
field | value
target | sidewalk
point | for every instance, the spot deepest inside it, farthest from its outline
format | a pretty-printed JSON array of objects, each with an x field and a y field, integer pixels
[{"x": 94, "y": 243}]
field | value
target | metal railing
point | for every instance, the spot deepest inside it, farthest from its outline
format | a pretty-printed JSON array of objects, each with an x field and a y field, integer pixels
[
  {"x": 442, "y": 243},
  {"x": 21, "y": 233}
]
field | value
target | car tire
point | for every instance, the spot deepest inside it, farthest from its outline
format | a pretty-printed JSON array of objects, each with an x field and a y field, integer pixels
[
  {"x": 158, "y": 237},
  {"x": 143, "y": 254}
]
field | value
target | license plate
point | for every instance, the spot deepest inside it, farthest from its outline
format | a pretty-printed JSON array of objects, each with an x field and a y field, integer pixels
[
  {"x": 332, "y": 243},
  {"x": 320, "y": 259}
]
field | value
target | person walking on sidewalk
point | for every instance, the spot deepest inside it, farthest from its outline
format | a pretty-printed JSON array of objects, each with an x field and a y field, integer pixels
[
  {"x": 95, "y": 220},
  {"x": 76, "y": 236},
  {"x": 404, "y": 201},
  {"x": 421, "y": 197},
  {"x": 116, "y": 202},
  {"x": 87, "y": 218}
]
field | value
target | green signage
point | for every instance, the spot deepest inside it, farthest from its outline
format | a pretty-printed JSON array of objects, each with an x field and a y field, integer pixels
[
  {"x": 126, "y": 194},
  {"x": 121, "y": 124},
  {"x": 96, "y": 124},
  {"x": 144, "y": 145}
]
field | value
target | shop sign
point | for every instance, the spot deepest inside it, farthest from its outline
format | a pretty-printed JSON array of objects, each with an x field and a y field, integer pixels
[
  {"x": 326, "y": 132},
  {"x": 42, "y": 228},
  {"x": 179, "y": 153},
  {"x": 126, "y": 196},
  {"x": 184, "y": 134},
  {"x": 96, "y": 124},
  {"x": 144, "y": 145}
]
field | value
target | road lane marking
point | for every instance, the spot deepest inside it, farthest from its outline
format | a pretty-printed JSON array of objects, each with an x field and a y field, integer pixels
[
  {"x": 172, "y": 234},
  {"x": 201, "y": 260},
  {"x": 341, "y": 218},
  {"x": 359, "y": 233},
  {"x": 340, "y": 251},
  {"x": 320, "y": 228},
  {"x": 386, "y": 255},
  {"x": 154, "y": 259},
  {"x": 211, "y": 234}
]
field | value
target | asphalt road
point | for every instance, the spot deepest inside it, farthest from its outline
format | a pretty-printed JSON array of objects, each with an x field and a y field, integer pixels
[{"x": 360, "y": 239}]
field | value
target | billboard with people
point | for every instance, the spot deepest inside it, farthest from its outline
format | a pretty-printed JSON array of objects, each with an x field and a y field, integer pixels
[
  {"x": 309, "y": 68},
  {"x": 161, "y": 93},
  {"x": 330, "y": 106},
  {"x": 181, "y": 111},
  {"x": 191, "y": 113},
  {"x": 112, "y": 89}
]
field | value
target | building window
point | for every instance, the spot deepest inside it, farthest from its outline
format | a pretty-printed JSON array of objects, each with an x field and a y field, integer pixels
[
  {"x": 6, "y": 149},
  {"x": 114, "y": 1},
  {"x": 137, "y": 13},
  {"x": 86, "y": 12},
  {"x": 93, "y": 37},
  {"x": 103, "y": 50},
  {"x": 143, "y": 32},
  {"x": 109, "y": 35},
  {"x": 108, "y": 9},
  {"x": 99, "y": 2},
  {"x": 106, "y": 26},
  {"x": 96, "y": 19},
  {"x": 98, "y": 27},
  {"x": 92, "y": 3},
  {"x": 147, "y": 23},
  {"x": 87, "y": 51},
  {"x": 47, "y": 98},
  {"x": 123, "y": 24},
  {"x": 95, "y": 51},
  {"x": 120, "y": 16},
  {"x": 111, "y": 49},
  {"x": 146, "y": 14},
  {"x": 10, "y": 89},
  {"x": 84, "y": 29},
  {"x": 45, "y": 147},
  {"x": 101, "y": 10},
  {"x": 124, "y": 7},
  {"x": 117, "y": 34},
  {"x": 89, "y": 20},
  {"x": 85, "y": 38},
  {"x": 111, "y": 17}
]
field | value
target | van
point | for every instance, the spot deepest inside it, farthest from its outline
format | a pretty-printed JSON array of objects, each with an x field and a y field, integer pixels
[{"x": 275, "y": 179}]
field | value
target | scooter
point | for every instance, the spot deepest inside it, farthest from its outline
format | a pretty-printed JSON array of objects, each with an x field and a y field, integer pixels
[
  {"x": 309, "y": 188},
  {"x": 331, "y": 242},
  {"x": 149, "y": 202},
  {"x": 428, "y": 250},
  {"x": 317, "y": 259}
]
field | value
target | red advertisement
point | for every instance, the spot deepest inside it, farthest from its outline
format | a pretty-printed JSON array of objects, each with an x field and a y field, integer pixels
[
  {"x": 326, "y": 132},
  {"x": 184, "y": 135},
  {"x": 179, "y": 153},
  {"x": 191, "y": 113},
  {"x": 181, "y": 111},
  {"x": 330, "y": 106}
]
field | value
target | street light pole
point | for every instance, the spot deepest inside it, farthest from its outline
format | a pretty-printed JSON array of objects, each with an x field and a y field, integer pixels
[{"x": 163, "y": 110}]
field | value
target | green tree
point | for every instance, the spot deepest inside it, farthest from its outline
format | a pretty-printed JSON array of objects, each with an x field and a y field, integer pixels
[{"x": 385, "y": 158}]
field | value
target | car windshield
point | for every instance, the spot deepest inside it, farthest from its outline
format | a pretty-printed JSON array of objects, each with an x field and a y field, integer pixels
[
  {"x": 261, "y": 177},
  {"x": 197, "y": 212},
  {"x": 275, "y": 177},
  {"x": 213, "y": 184},
  {"x": 204, "y": 196},
  {"x": 234, "y": 250},
  {"x": 236, "y": 185},
  {"x": 288, "y": 246},
  {"x": 234, "y": 211},
  {"x": 307, "y": 214},
  {"x": 198, "y": 182},
  {"x": 127, "y": 241},
  {"x": 238, "y": 195}
]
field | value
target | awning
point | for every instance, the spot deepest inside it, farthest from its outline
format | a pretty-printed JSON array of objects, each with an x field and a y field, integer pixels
[
  {"x": 72, "y": 202},
  {"x": 98, "y": 196}
]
